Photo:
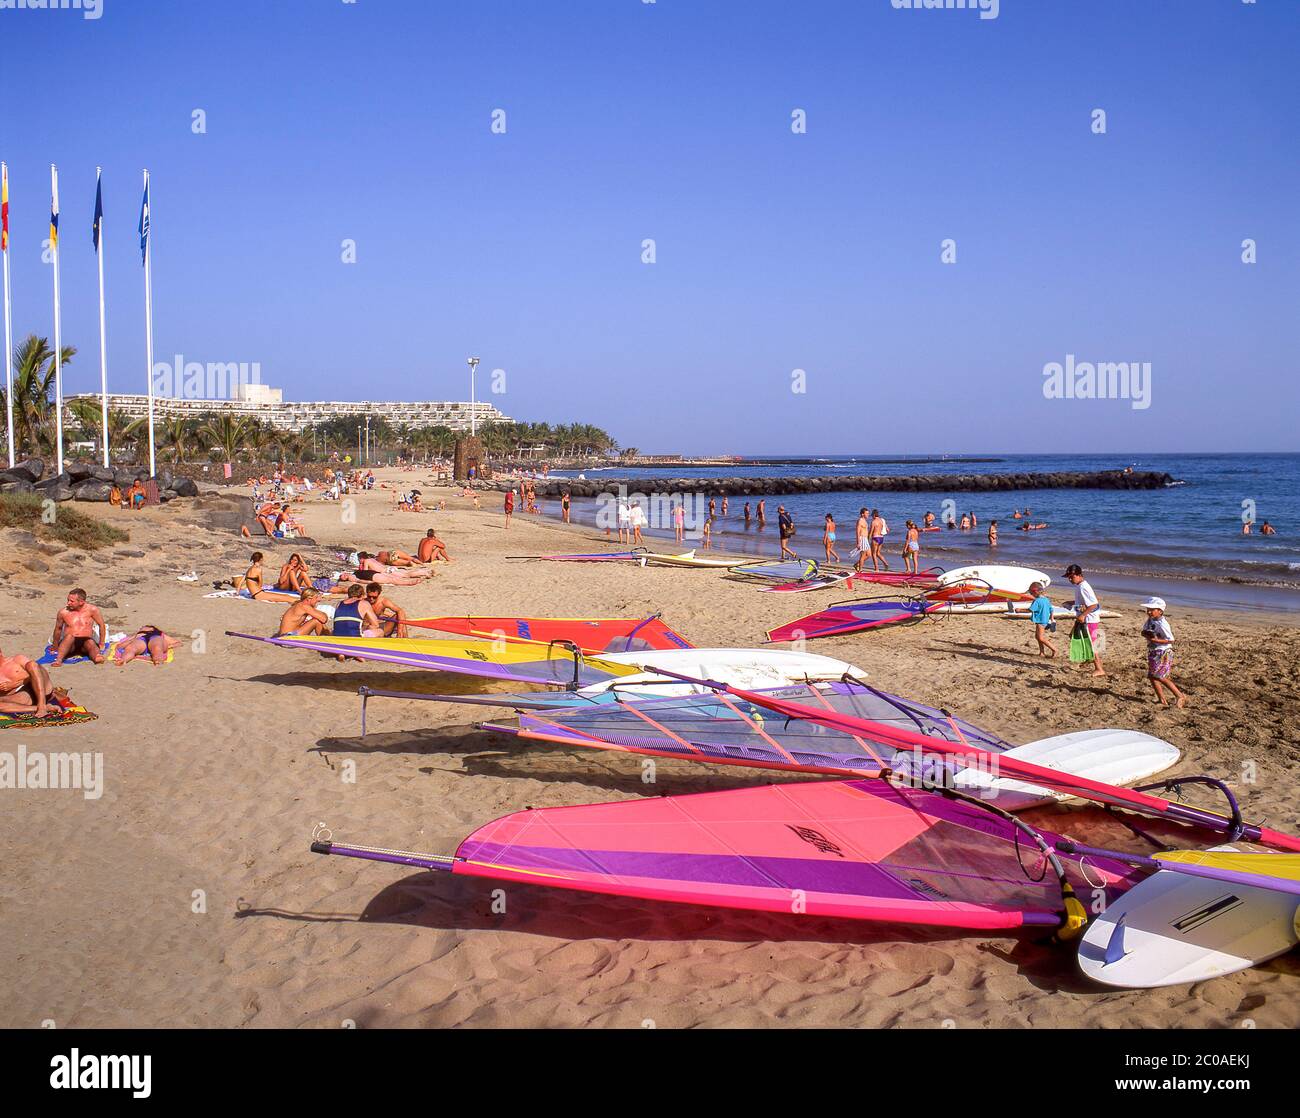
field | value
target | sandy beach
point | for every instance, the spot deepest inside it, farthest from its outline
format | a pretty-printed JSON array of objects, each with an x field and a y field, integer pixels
[{"x": 186, "y": 895}]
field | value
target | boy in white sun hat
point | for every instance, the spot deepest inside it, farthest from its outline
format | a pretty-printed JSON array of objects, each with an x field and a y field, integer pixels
[{"x": 1160, "y": 652}]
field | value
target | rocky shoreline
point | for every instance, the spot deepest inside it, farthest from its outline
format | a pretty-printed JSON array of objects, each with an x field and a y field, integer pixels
[
  {"x": 779, "y": 486},
  {"x": 81, "y": 481}
]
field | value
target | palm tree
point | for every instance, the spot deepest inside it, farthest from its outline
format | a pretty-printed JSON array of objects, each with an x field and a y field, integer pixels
[
  {"x": 177, "y": 439},
  {"x": 34, "y": 424},
  {"x": 227, "y": 434}
]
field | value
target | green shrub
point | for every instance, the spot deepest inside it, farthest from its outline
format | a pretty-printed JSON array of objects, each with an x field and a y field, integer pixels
[{"x": 71, "y": 526}]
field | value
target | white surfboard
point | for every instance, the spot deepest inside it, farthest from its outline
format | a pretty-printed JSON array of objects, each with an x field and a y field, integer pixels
[
  {"x": 1119, "y": 757},
  {"x": 1173, "y": 929},
  {"x": 750, "y": 668},
  {"x": 1010, "y": 580}
]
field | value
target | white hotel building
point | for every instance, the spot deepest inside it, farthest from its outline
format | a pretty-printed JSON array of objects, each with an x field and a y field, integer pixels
[{"x": 258, "y": 401}]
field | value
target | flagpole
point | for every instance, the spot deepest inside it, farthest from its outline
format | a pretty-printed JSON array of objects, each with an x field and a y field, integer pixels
[
  {"x": 58, "y": 327},
  {"x": 9, "y": 329},
  {"x": 103, "y": 350},
  {"x": 145, "y": 221}
]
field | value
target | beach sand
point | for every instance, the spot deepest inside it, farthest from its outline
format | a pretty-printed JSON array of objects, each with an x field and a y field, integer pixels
[{"x": 186, "y": 895}]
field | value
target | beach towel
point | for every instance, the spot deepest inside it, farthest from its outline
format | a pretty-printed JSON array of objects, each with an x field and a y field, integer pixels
[
  {"x": 62, "y": 712},
  {"x": 112, "y": 651}
]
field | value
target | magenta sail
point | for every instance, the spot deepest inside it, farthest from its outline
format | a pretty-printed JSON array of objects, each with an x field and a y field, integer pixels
[{"x": 863, "y": 850}]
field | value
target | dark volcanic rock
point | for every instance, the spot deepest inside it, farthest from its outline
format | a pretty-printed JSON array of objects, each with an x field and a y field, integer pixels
[
  {"x": 91, "y": 490},
  {"x": 185, "y": 487},
  {"x": 33, "y": 469}
]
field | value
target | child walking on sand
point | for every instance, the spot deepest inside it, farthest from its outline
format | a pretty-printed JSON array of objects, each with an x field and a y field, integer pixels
[
  {"x": 1041, "y": 615},
  {"x": 1160, "y": 652}
]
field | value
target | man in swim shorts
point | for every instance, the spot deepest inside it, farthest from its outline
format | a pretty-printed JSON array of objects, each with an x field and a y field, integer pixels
[{"x": 75, "y": 628}]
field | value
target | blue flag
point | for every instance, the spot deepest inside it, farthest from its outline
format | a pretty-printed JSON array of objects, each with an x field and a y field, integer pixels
[
  {"x": 144, "y": 224},
  {"x": 99, "y": 212}
]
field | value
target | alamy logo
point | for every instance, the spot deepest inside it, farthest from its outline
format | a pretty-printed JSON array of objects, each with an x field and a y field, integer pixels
[
  {"x": 1105, "y": 380},
  {"x": 193, "y": 380},
  {"x": 79, "y": 771},
  {"x": 988, "y": 9},
  {"x": 89, "y": 9},
  {"x": 113, "y": 1073}
]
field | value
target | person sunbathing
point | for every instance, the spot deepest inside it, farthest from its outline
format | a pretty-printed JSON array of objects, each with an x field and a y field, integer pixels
[
  {"x": 303, "y": 619},
  {"x": 391, "y": 616},
  {"x": 294, "y": 574},
  {"x": 395, "y": 558},
  {"x": 370, "y": 569},
  {"x": 432, "y": 549},
  {"x": 25, "y": 686},
  {"x": 355, "y": 617},
  {"x": 149, "y": 640},
  {"x": 136, "y": 494},
  {"x": 75, "y": 630}
]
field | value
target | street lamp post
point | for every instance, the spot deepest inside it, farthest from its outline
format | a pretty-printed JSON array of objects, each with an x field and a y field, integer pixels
[{"x": 473, "y": 410}]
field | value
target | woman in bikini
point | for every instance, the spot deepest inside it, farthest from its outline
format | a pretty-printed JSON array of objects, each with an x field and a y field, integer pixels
[
  {"x": 294, "y": 575},
  {"x": 149, "y": 640}
]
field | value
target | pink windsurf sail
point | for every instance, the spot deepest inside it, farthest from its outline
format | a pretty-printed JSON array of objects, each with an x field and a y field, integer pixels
[
  {"x": 590, "y": 634},
  {"x": 863, "y": 850},
  {"x": 852, "y": 617}
]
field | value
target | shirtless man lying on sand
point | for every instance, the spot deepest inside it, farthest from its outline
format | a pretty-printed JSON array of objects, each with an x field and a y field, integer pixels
[
  {"x": 303, "y": 619},
  {"x": 25, "y": 686},
  {"x": 395, "y": 558},
  {"x": 75, "y": 630}
]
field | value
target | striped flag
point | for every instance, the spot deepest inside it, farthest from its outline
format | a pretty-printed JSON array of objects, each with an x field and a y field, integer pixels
[
  {"x": 4, "y": 210},
  {"x": 99, "y": 211},
  {"x": 54, "y": 210},
  {"x": 144, "y": 222}
]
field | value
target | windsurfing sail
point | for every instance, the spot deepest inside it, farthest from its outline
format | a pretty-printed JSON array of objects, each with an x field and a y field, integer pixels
[
  {"x": 553, "y": 664},
  {"x": 822, "y": 581},
  {"x": 927, "y": 577},
  {"x": 779, "y": 570},
  {"x": 1136, "y": 799},
  {"x": 591, "y": 634},
  {"x": 852, "y": 617},
  {"x": 722, "y": 730},
  {"x": 864, "y": 850}
]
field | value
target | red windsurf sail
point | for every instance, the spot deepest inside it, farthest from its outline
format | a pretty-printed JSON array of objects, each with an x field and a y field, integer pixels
[{"x": 590, "y": 634}]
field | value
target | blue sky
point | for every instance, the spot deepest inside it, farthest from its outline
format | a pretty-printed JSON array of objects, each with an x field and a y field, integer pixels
[{"x": 625, "y": 121}]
